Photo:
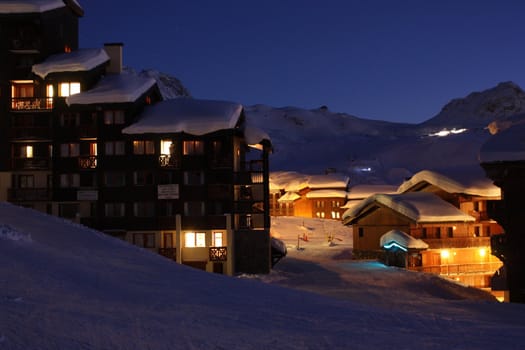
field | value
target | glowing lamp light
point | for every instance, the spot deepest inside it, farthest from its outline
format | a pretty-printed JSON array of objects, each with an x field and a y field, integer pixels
[
  {"x": 445, "y": 254},
  {"x": 482, "y": 252}
]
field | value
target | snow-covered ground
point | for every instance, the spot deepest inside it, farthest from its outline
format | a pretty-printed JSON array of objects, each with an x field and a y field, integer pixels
[{"x": 63, "y": 286}]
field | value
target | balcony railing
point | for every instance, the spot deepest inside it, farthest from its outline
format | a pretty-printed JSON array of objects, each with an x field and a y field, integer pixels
[
  {"x": 170, "y": 253},
  {"x": 31, "y": 163},
  {"x": 459, "y": 242},
  {"x": 87, "y": 162},
  {"x": 31, "y": 103},
  {"x": 167, "y": 161},
  {"x": 461, "y": 269},
  {"x": 218, "y": 254},
  {"x": 29, "y": 194}
]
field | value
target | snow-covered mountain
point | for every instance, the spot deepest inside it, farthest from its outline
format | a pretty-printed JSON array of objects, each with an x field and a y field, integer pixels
[{"x": 373, "y": 151}]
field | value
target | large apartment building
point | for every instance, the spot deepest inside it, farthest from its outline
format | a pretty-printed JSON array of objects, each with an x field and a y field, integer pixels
[{"x": 82, "y": 139}]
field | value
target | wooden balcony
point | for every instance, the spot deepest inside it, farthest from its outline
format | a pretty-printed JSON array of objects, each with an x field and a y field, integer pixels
[
  {"x": 460, "y": 269},
  {"x": 31, "y": 163},
  {"x": 87, "y": 162},
  {"x": 218, "y": 254},
  {"x": 167, "y": 161},
  {"x": 31, "y": 103},
  {"x": 459, "y": 242},
  {"x": 29, "y": 194}
]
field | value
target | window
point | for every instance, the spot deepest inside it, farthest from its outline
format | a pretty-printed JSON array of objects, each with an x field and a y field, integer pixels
[
  {"x": 361, "y": 231},
  {"x": 26, "y": 152},
  {"x": 114, "y": 209},
  {"x": 476, "y": 231},
  {"x": 114, "y": 117},
  {"x": 144, "y": 240},
  {"x": 194, "y": 178},
  {"x": 194, "y": 208},
  {"x": 68, "y": 89},
  {"x": 143, "y": 177},
  {"x": 167, "y": 240},
  {"x": 68, "y": 210},
  {"x": 193, "y": 148},
  {"x": 69, "y": 150},
  {"x": 424, "y": 232},
  {"x": 336, "y": 215},
  {"x": 69, "y": 119},
  {"x": 335, "y": 204},
  {"x": 114, "y": 148},
  {"x": 217, "y": 239},
  {"x": 88, "y": 180},
  {"x": 438, "y": 232},
  {"x": 26, "y": 181},
  {"x": 115, "y": 179},
  {"x": 450, "y": 232},
  {"x": 143, "y": 147},
  {"x": 194, "y": 239},
  {"x": 166, "y": 208},
  {"x": 69, "y": 180},
  {"x": 144, "y": 209},
  {"x": 167, "y": 147}
]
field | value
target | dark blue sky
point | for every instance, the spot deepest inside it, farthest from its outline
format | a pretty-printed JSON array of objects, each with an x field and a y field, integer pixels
[{"x": 378, "y": 59}]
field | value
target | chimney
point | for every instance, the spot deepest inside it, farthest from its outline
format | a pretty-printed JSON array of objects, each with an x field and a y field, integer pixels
[{"x": 114, "y": 51}]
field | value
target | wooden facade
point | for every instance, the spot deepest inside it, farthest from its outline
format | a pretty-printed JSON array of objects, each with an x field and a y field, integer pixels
[{"x": 200, "y": 200}]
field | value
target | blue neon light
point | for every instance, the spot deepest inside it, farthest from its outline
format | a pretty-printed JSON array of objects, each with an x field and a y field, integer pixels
[{"x": 394, "y": 245}]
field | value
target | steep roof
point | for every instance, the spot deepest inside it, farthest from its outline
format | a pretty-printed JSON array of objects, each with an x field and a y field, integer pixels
[
  {"x": 192, "y": 116},
  {"x": 505, "y": 146},
  {"x": 38, "y": 6},
  {"x": 467, "y": 182},
  {"x": 77, "y": 61},
  {"x": 114, "y": 88},
  {"x": 419, "y": 207},
  {"x": 402, "y": 240}
]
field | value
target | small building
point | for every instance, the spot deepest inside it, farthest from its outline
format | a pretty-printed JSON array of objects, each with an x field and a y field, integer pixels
[
  {"x": 310, "y": 196},
  {"x": 402, "y": 250}
]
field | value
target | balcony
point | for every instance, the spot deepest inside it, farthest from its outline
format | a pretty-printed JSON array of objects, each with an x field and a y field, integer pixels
[
  {"x": 167, "y": 161},
  {"x": 87, "y": 162},
  {"x": 461, "y": 269},
  {"x": 29, "y": 194},
  {"x": 170, "y": 253},
  {"x": 218, "y": 254},
  {"x": 459, "y": 242},
  {"x": 30, "y": 132},
  {"x": 31, "y": 103},
  {"x": 31, "y": 163}
]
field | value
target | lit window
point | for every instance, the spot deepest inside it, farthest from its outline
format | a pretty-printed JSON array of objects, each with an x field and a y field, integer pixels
[
  {"x": 167, "y": 147},
  {"x": 217, "y": 239},
  {"x": 68, "y": 89},
  {"x": 50, "y": 91},
  {"x": 143, "y": 147},
  {"x": 27, "y": 152},
  {"x": 193, "y": 147},
  {"x": 194, "y": 239}
]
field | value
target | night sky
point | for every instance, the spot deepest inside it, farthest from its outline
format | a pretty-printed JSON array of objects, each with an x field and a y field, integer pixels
[{"x": 378, "y": 59}]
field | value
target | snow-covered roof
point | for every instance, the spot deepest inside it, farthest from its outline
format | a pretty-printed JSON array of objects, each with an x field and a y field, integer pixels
[
  {"x": 401, "y": 239},
  {"x": 419, "y": 207},
  {"x": 254, "y": 135},
  {"x": 505, "y": 146},
  {"x": 294, "y": 181},
  {"x": 364, "y": 191},
  {"x": 328, "y": 181},
  {"x": 29, "y": 6},
  {"x": 477, "y": 184},
  {"x": 76, "y": 61},
  {"x": 326, "y": 194},
  {"x": 289, "y": 197},
  {"x": 115, "y": 88},
  {"x": 192, "y": 116}
]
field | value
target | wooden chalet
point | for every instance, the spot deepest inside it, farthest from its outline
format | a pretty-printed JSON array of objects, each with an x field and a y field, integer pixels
[
  {"x": 84, "y": 140},
  {"x": 310, "y": 196}
]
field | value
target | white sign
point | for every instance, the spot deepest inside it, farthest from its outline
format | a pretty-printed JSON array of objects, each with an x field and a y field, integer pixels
[
  {"x": 87, "y": 195},
  {"x": 168, "y": 191}
]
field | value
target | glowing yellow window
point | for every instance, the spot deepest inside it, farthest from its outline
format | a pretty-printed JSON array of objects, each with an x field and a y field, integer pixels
[
  {"x": 68, "y": 89},
  {"x": 217, "y": 239}
]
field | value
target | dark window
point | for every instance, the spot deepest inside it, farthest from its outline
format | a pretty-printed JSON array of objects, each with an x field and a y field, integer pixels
[
  {"x": 114, "y": 117},
  {"x": 361, "y": 231},
  {"x": 25, "y": 181},
  {"x": 193, "y": 148},
  {"x": 194, "y": 208},
  {"x": 69, "y": 119},
  {"x": 144, "y": 240},
  {"x": 450, "y": 232},
  {"x": 88, "y": 180},
  {"x": 68, "y": 210},
  {"x": 438, "y": 232},
  {"x": 143, "y": 147},
  {"x": 194, "y": 178},
  {"x": 144, "y": 209},
  {"x": 476, "y": 231},
  {"x": 424, "y": 232},
  {"x": 166, "y": 208},
  {"x": 142, "y": 178},
  {"x": 114, "y": 209},
  {"x": 115, "y": 179}
]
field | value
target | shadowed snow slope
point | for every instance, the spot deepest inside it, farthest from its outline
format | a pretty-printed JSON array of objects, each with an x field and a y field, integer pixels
[{"x": 63, "y": 286}]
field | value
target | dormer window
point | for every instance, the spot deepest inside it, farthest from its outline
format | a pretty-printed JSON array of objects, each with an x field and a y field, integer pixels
[{"x": 68, "y": 89}]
